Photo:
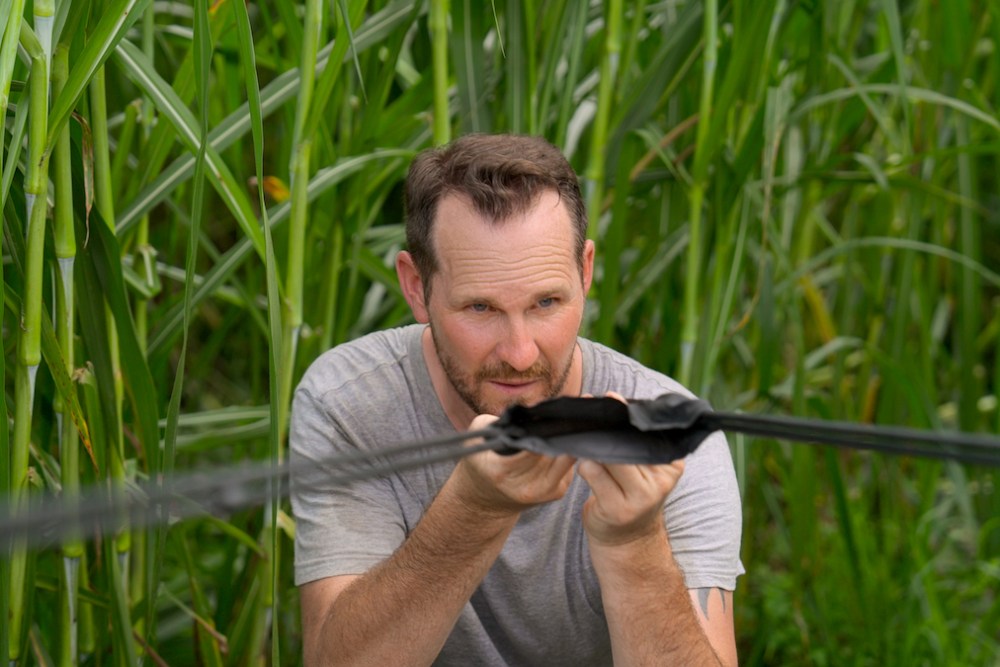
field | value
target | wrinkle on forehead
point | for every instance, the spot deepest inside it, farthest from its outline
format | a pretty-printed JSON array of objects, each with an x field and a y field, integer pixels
[
  {"x": 543, "y": 265},
  {"x": 495, "y": 257},
  {"x": 534, "y": 251}
]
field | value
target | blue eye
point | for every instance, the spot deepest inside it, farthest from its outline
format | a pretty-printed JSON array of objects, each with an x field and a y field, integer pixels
[
  {"x": 547, "y": 302},
  {"x": 479, "y": 307}
]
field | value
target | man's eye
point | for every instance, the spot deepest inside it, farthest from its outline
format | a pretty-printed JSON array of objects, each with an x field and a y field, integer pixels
[
  {"x": 479, "y": 307},
  {"x": 547, "y": 302}
]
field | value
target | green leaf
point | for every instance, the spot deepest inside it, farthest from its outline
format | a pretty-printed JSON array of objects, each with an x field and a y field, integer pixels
[
  {"x": 273, "y": 96},
  {"x": 115, "y": 21},
  {"x": 166, "y": 100},
  {"x": 323, "y": 181}
]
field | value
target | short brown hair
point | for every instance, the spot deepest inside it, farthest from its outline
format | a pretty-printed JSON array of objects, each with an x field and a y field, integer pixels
[{"x": 501, "y": 174}]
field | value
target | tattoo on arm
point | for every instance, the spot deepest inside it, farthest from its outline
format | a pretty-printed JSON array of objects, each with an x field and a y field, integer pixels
[{"x": 703, "y": 594}]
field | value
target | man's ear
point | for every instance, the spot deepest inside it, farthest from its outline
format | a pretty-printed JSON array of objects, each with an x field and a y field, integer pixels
[
  {"x": 412, "y": 285},
  {"x": 588, "y": 265}
]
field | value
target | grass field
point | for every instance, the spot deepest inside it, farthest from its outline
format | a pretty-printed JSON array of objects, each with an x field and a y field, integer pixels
[{"x": 796, "y": 211}]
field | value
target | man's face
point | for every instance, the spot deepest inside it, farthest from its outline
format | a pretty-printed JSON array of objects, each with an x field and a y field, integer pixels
[{"x": 506, "y": 304}]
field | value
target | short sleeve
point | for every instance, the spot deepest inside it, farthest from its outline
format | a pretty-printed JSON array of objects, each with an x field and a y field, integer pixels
[{"x": 340, "y": 528}]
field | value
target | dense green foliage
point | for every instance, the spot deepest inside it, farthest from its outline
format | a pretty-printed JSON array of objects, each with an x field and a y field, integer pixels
[{"x": 795, "y": 205}]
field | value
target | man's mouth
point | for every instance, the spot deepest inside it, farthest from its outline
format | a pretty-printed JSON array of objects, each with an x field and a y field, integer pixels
[{"x": 513, "y": 384}]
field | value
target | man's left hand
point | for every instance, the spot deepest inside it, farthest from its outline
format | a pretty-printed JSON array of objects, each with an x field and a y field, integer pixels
[{"x": 626, "y": 501}]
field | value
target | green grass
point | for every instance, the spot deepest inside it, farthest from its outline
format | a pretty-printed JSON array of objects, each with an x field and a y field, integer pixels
[{"x": 795, "y": 209}]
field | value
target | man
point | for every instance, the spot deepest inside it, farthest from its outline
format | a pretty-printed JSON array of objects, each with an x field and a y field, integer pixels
[{"x": 501, "y": 560}]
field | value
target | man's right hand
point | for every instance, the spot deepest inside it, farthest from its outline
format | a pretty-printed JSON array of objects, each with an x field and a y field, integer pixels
[{"x": 508, "y": 484}]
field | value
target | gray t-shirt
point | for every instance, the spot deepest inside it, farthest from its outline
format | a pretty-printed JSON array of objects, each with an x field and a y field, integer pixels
[{"x": 540, "y": 603}]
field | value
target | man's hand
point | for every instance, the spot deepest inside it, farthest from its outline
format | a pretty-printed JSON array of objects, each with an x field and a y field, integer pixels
[
  {"x": 509, "y": 484},
  {"x": 626, "y": 501}
]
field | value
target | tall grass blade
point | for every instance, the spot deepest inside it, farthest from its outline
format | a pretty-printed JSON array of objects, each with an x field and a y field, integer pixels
[
  {"x": 115, "y": 21},
  {"x": 171, "y": 107},
  {"x": 273, "y": 95}
]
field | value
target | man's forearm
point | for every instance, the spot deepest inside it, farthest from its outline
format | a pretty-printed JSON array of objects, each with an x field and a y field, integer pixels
[
  {"x": 402, "y": 611},
  {"x": 649, "y": 612}
]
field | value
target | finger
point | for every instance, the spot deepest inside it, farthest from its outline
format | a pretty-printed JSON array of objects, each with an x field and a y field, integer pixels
[
  {"x": 560, "y": 464},
  {"x": 479, "y": 423},
  {"x": 599, "y": 479},
  {"x": 644, "y": 481},
  {"x": 615, "y": 395},
  {"x": 482, "y": 421}
]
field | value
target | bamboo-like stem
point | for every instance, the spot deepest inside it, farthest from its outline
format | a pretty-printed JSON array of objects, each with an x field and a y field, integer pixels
[
  {"x": 69, "y": 644},
  {"x": 438, "y": 24},
  {"x": 969, "y": 242},
  {"x": 692, "y": 283},
  {"x": 294, "y": 277},
  {"x": 141, "y": 585},
  {"x": 29, "y": 346},
  {"x": 98, "y": 434},
  {"x": 44, "y": 11},
  {"x": 294, "y": 280},
  {"x": 577, "y": 38},
  {"x": 69, "y": 445},
  {"x": 104, "y": 202},
  {"x": 299, "y": 171},
  {"x": 593, "y": 182}
]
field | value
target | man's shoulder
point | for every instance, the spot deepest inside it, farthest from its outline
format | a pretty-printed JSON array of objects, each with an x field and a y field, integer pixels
[
  {"x": 383, "y": 353},
  {"x": 606, "y": 369}
]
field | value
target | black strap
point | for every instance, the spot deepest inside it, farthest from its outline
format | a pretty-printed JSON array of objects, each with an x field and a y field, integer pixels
[{"x": 645, "y": 431}]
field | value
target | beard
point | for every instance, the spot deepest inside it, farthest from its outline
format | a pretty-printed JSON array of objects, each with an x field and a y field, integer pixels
[{"x": 470, "y": 386}]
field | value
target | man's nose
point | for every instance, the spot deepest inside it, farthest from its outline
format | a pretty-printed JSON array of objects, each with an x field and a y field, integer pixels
[{"x": 517, "y": 345}]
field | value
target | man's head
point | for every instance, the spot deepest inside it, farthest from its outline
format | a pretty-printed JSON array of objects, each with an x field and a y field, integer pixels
[
  {"x": 501, "y": 175},
  {"x": 497, "y": 225}
]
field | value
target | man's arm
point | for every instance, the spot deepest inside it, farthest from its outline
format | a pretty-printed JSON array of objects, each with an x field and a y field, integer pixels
[
  {"x": 402, "y": 611},
  {"x": 652, "y": 617}
]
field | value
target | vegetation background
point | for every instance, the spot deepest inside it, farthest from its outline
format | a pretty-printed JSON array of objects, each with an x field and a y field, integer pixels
[{"x": 796, "y": 208}]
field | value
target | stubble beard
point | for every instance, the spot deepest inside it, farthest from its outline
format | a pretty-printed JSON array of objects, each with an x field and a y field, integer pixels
[{"x": 470, "y": 388}]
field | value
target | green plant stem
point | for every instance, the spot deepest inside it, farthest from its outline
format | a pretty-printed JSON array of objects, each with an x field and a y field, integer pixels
[
  {"x": 44, "y": 12},
  {"x": 594, "y": 180},
  {"x": 69, "y": 445},
  {"x": 29, "y": 344},
  {"x": 145, "y": 252},
  {"x": 438, "y": 24},
  {"x": 104, "y": 202},
  {"x": 299, "y": 168},
  {"x": 692, "y": 283}
]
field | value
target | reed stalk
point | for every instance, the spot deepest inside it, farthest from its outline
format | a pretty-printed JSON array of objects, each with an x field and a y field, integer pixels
[
  {"x": 299, "y": 171},
  {"x": 691, "y": 324},
  {"x": 143, "y": 584},
  {"x": 104, "y": 204},
  {"x": 438, "y": 23},
  {"x": 593, "y": 182},
  {"x": 9, "y": 36},
  {"x": 44, "y": 16},
  {"x": 29, "y": 342},
  {"x": 69, "y": 445}
]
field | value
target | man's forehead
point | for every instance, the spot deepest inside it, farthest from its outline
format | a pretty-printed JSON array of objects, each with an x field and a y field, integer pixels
[{"x": 457, "y": 219}]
